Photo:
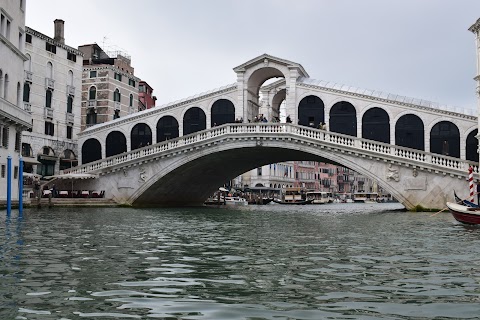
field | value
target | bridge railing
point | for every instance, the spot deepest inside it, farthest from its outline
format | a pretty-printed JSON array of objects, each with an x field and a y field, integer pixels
[{"x": 369, "y": 147}]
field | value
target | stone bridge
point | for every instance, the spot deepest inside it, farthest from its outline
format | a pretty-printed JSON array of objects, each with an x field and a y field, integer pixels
[{"x": 187, "y": 169}]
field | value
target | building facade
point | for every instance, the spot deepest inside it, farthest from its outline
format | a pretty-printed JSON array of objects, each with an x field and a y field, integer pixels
[
  {"x": 146, "y": 99},
  {"x": 52, "y": 95},
  {"x": 13, "y": 119},
  {"x": 109, "y": 86}
]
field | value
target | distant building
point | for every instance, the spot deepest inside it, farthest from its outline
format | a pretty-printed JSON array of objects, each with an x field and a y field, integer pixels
[
  {"x": 109, "y": 86},
  {"x": 145, "y": 98},
  {"x": 13, "y": 118},
  {"x": 52, "y": 94}
]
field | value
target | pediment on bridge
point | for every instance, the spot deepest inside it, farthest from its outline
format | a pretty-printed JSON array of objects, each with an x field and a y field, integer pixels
[{"x": 266, "y": 59}]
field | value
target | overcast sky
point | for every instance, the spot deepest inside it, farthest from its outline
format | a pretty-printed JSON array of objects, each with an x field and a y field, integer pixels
[{"x": 416, "y": 48}]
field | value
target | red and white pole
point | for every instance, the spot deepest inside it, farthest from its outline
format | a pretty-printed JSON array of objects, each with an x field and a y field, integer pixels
[{"x": 470, "y": 183}]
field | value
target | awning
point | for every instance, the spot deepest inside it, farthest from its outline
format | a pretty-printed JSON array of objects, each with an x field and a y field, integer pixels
[
  {"x": 30, "y": 160},
  {"x": 33, "y": 175},
  {"x": 46, "y": 157},
  {"x": 73, "y": 176}
]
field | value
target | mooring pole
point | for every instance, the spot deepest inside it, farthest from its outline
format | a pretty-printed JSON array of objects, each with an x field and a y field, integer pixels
[
  {"x": 20, "y": 187},
  {"x": 9, "y": 185}
]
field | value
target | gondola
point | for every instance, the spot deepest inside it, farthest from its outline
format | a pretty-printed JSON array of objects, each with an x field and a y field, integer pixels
[{"x": 464, "y": 214}]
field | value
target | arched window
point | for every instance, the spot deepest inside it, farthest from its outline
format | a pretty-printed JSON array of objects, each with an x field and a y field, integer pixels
[
  {"x": 68, "y": 160},
  {"x": 91, "y": 151},
  {"x": 91, "y": 117},
  {"x": 194, "y": 120},
  {"x": 116, "y": 143},
  {"x": 70, "y": 77},
  {"x": 49, "y": 70},
  {"x": 19, "y": 94},
  {"x": 92, "y": 93},
  {"x": 343, "y": 118},
  {"x": 410, "y": 132},
  {"x": 131, "y": 101},
  {"x": 116, "y": 95},
  {"x": 376, "y": 125},
  {"x": 140, "y": 136},
  {"x": 167, "y": 128},
  {"x": 69, "y": 104},
  {"x": 5, "y": 87},
  {"x": 311, "y": 111},
  {"x": 445, "y": 139},
  {"x": 1, "y": 83},
  {"x": 472, "y": 146},
  {"x": 223, "y": 111},
  {"x": 26, "y": 92}
]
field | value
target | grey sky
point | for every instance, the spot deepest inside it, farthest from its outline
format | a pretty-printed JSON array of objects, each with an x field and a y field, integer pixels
[{"x": 416, "y": 48}]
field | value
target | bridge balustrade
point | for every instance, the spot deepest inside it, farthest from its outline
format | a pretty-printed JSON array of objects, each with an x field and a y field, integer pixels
[{"x": 367, "y": 147}]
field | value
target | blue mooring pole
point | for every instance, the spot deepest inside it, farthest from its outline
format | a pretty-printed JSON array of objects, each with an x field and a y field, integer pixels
[
  {"x": 20, "y": 187},
  {"x": 9, "y": 185}
]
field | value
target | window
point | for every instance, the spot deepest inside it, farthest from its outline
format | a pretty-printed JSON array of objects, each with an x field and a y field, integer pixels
[
  {"x": 15, "y": 172},
  {"x": 50, "y": 47},
  {"x": 92, "y": 93},
  {"x": 69, "y": 132},
  {"x": 141, "y": 88},
  {"x": 116, "y": 95},
  {"x": 69, "y": 104},
  {"x": 259, "y": 171},
  {"x": 116, "y": 115},
  {"x": 48, "y": 99},
  {"x": 49, "y": 128},
  {"x": 4, "y": 169},
  {"x": 18, "y": 140},
  {"x": 72, "y": 56},
  {"x": 8, "y": 30},
  {"x": 93, "y": 74},
  {"x": 26, "y": 92},
  {"x": 28, "y": 38},
  {"x": 131, "y": 100},
  {"x": 131, "y": 82},
  {"x": 5, "y": 137},
  {"x": 91, "y": 117},
  {"x": 118, "y": 76}
]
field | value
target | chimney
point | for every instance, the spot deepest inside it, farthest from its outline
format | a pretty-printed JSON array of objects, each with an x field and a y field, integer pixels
[{"x": 59, "y": 31}]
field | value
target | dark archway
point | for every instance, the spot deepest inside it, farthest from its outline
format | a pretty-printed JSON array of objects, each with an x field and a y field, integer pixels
[
  {"x": 410, "y": 132},
  {"x": 91, "y": 151},
  {"x": 140, "y": 136},
  {"x": 376, "y": 125},
  {"x": 343, "y": 118},
  {"x": 194, "y": 120},
  {"x": 445, "y": 139},
  {"x": 311, "y": 111},
  {"x": 472, "y": 146},
  {"x": 116, "y": 143},
  {"x": 223, "y": 111},
  {"x": 167, "y": 128}
]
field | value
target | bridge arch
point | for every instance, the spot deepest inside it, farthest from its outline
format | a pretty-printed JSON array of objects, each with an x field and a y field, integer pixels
[
  {"x": 311, "y": 111},
  {"x": 445, "y": 138},
  {"x": 376, "y": 125},
  {"x": 471, "y": 146},
  {"x": 194, "y": 119},
  {"x": 167, "y": 128},
  {"x": 222, "y": 111},
  {"x": 343, "y": 118},
  {"x": 91, "y": 150},
  {"x": 410, "y": 132},
  {"x": 115, "y": 143},
  {"x": 277, "y": 101},
  {"x": 140, "y": 136}
]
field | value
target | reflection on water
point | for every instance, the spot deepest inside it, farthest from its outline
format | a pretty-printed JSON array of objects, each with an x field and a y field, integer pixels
[{"x": 338, "y": 261}]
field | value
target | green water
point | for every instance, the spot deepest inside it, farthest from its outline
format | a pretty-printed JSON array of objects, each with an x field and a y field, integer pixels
[{"x": 338, "y": 261}]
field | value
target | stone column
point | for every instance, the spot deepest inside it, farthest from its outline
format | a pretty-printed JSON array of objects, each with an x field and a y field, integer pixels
[{"x": 291, "y": 95}]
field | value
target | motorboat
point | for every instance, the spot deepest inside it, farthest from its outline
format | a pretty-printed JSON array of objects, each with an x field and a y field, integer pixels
[
  {"x": 293, "y": 196},
  {"x": 464, "y": 214},
  {"x": 365, "y": 197},
  {"x": 320, "y": 197},
  {"x": 238, "y": 201}
]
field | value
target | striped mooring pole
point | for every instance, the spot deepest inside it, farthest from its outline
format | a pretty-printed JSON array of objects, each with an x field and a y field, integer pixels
[{"x": 470, "y": 183}]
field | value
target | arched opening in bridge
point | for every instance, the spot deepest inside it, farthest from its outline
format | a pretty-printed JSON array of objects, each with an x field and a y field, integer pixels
[
  {"x": 266, "y": 77},
  {"x": 223, "y": 111},
  {"x": 68, "y": 160},
  {"x": 194, "y": 120},
  {"x": 91, "y": 151},
  {"x": 472, "y": 146},
  {"x": 116, "y": 143},
  {"x": 410, "y": 132},
  {"x": 343, "y": 118},
  {"x": 278, "y": 106},
  {"x": 376, "y": 125},
  {"x": 140, "y": 136},
  {"x": 311, "y": 111},
  {"x": 47, "y": 159},
  {"x": 445, "y": 139},
  {"x": 167, "y": 128}
]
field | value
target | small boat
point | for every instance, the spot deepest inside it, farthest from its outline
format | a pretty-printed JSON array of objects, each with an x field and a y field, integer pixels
[
  {"x": 465, "y": 202},
  {"x": 237, "y": 201},
  {"x": 365, "y": 197},
  {"x": 293, "y": 202},
  {"x": 464, "y": 214},
  {"x": 320, "y": 197}
]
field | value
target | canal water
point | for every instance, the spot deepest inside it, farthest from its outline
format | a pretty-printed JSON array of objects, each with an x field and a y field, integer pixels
[{"x": 337, "y": 261}]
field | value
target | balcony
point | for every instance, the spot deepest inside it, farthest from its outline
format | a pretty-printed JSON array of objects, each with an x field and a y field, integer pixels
[
  {"x": 70, "y": 90},
  {"x": 28, "y": 75},
  {"x": 69, "y": 117},
  {"x": 92, "y": 103},
  {"x": 117, "y": 105},
  {"x": 49, "y": 83},
  {"x": 48, "y": 113},
  {"x": 27, "y": 106}
]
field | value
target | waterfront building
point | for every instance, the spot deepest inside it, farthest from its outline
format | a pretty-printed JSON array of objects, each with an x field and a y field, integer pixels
[
  {"x": 13, "y": 119},
  {"x": 109, "y": 86},
  {"x": 146, "y": 99},
  {"x": 274, "y": 175},
  {"x": 51, "y": 93}
]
